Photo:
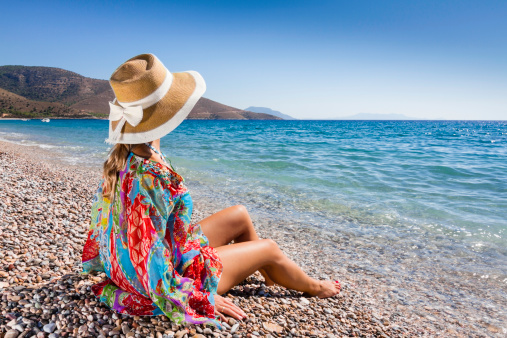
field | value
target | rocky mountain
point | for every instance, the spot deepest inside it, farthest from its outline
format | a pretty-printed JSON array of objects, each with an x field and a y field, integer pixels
[
  {"x": 270, "y": 111},
  {"x": 54, "y": 92}
]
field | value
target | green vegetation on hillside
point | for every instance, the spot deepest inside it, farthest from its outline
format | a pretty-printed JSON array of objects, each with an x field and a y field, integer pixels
[{"x": 12, "y": 112}]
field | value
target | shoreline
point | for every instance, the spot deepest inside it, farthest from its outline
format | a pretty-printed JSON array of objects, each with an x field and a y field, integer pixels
[
  {"x": 369, "y": 303},
  {"x": 345, "y": 120}
]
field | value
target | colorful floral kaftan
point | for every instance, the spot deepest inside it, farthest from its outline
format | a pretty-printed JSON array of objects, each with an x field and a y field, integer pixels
[{"x": 156, "y": 261}]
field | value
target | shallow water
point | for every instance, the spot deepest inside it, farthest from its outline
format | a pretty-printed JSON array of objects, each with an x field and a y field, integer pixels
[{"x": 420, "y": 189}]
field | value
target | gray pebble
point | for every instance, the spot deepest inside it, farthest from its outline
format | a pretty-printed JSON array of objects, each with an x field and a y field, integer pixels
[
  {"x": 234, "y": 328},
  {"x": 49, "y": 328},
  {"x": 18, "y": 327},
  {"x": 304, "y": 301}
]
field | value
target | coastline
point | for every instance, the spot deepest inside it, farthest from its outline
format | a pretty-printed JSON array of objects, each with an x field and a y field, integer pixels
[
  {"x": 367, "y": 305},
  {"x": 51, "y": 117},
  {"x": 204, "y": 119},
  {"x": 106, "y": 118}
]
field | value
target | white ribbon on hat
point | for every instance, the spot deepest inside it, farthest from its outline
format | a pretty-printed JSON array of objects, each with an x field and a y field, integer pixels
[{"x": 132, "y": 112}]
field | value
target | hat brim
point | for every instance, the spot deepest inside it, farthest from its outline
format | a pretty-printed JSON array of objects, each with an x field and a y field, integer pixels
[{"x": 168, "y": 113}]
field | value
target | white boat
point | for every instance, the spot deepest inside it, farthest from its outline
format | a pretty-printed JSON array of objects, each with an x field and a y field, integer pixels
[
  {"x": 25, "y": 119},
  {"x": 45, "y": 120}
]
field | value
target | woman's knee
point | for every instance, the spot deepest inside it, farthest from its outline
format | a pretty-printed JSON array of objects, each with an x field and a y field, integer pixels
[
  {"x": 241, "y": 210},
  {"x": 242, "y": 214},
  {"x": 272, "y": 247}
]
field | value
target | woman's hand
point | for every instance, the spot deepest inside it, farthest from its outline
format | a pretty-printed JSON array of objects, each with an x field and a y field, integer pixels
[{"x": 224, "y": 306}]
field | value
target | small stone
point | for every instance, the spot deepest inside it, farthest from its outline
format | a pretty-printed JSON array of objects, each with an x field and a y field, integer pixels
[
  {"x": 11, "y": 334},
  {"x": 232, "y": 321},
  {"x": 206, "y": 331},
  {"x": 304, "y": 301},
  {"x": 181, "y": 333},
  {"x": 352, "y": 315},
  {"x": 125, "y": 329},
  {"x": 234, "y": 328},
  {"x": 49, "y": 328},
  {"x": 492, "y": 328},
  {"x": 19, "y": 327},
  {"x": 83, "y": 328},
  {"x": 10, "y": 316},
  {"x": 272, "y": 327}
]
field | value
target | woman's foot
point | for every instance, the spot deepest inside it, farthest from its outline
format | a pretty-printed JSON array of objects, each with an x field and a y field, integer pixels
[{"x": 326, "y": 288}]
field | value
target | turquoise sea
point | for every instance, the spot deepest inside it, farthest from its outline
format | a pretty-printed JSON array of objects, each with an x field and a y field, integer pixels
[{"x": 428, "y": 188}]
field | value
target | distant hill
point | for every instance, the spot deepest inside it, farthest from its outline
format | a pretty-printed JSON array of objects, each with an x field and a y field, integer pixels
[
  {"x": 81, "y": 96},
  {"x": 13, "y": 105},
  {"x": 366, "y": 116},
  {"x": 270, "y": 112},
  {"x": 54, "y": 92},
  {"x": 211, "y": 110}
]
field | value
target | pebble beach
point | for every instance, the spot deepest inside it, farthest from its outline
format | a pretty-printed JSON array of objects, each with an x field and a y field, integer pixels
[{"x": 44, "y": 218}]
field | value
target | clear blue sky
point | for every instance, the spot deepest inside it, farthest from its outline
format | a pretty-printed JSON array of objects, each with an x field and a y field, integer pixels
[{"x": 308, "y": 59}]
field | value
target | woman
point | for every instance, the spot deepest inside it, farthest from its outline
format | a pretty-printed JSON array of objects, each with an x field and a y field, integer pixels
[{"x": 156, "y": 261}]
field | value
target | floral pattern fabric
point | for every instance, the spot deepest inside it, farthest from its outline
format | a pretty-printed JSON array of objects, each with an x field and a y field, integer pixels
[{"x": 156, "y": 261}]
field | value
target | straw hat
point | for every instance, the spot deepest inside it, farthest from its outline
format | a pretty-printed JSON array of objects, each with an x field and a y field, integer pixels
[{"x": 150, "y": 100}]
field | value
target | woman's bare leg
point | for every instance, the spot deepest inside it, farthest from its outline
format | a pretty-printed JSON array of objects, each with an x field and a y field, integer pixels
[
  {"x": 231, "y": 224},
  {"x": 227, "y": 225},
  {"x": 240, "y": 260}
]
